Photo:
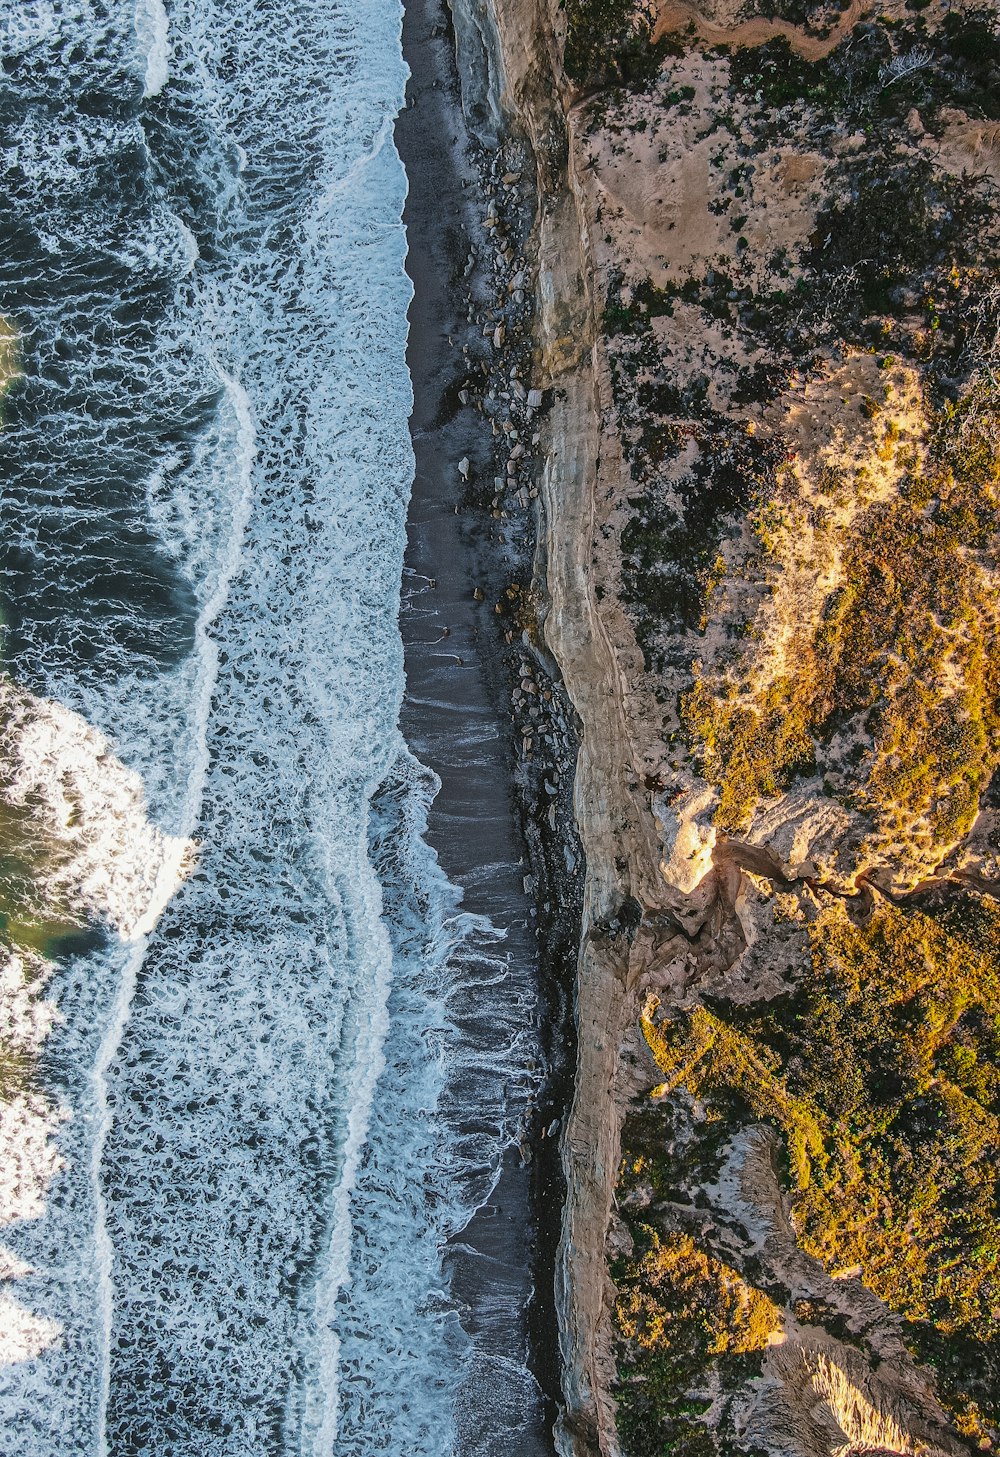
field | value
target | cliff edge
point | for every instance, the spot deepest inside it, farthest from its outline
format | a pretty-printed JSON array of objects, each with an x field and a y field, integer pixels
[{"x": 768, "y": 315}]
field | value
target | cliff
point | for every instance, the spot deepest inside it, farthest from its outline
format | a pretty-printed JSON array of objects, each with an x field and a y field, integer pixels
[
  {"x": 525, "y": 82},
  {"x": 766, "y": 312}
]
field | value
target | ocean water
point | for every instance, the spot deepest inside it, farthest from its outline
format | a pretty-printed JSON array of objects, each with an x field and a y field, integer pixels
[{"x": 256, "y": 1120}]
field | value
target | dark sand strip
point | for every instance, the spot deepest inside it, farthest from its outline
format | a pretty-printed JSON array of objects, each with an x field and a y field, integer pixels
[{"x": 456, "y": 722}]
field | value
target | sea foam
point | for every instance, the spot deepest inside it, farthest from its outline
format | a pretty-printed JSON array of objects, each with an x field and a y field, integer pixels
[{"x": 255, "y": 1136}]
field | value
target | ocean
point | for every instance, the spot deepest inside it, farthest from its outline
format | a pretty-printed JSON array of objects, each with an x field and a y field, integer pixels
[{"x": 252, "y": 1117}]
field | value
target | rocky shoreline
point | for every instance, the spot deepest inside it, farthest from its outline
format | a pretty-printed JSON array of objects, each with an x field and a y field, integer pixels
[
  {"x": 511, "y": 47},
  {"x": 538, "y": 501},
  {"x": 473, "y": 647}
]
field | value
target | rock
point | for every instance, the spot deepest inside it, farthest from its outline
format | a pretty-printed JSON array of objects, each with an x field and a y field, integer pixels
[
  {"x": 510, "y": 179},
  {"x": 464, "y": 466},
  {"x": 534, "y": 399},
  {"x": 499, "y": 335},
  {"x": 463, "y": 395},
  {"x": 479, "y": 595},
  {"x": 688, "y": 839}
]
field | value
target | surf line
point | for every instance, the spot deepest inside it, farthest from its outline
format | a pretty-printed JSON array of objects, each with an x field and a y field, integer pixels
[{"x": 238, "y": 400}]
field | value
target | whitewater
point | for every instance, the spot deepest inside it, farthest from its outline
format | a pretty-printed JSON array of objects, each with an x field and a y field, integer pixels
[{"x": 256, "y": 1119}]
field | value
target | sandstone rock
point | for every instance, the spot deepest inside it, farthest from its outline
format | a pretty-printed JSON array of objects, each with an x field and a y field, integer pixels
[{"x": 687, "y": 842}]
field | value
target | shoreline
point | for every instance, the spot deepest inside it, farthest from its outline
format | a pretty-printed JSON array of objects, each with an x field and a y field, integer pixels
[
  {"x": 508, "y": 59},
  {"x": 492, "y": 825}
]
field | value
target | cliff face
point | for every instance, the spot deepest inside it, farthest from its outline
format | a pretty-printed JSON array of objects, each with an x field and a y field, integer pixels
[
  {"x": 532, "y": 91},
  {"x": 765, "y": 247},
  {"x": 525, "y": 81}
]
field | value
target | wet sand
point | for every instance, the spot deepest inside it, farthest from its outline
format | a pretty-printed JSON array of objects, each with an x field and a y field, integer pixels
[{"x": 456, "y": 721}]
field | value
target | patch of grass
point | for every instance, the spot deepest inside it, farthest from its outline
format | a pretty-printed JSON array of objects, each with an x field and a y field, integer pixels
[
  {"x": 679, "y": 1312},
  {"x": 906, "y": 655},
  {"x": 780, "y": 76},
  {"x": 882, "y": 1074}
]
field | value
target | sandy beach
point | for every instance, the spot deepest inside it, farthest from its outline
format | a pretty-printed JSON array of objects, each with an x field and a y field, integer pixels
[{"x": 456, "y": 718}]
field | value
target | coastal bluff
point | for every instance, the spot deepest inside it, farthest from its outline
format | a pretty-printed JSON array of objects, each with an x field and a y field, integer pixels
[{"x": 768, "y": 320}]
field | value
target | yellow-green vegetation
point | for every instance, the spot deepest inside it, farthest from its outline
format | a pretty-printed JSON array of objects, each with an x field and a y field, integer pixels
[
  {"x": 905, "y": 658},
  {"x": 803, "y": 364},
  {"x": 882, "y": 1074},
  {"x": 680, "y": 1313},
  {"x": 712, "y": 1054}
]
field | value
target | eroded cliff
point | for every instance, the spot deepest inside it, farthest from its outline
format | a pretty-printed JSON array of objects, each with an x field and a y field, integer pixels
[{"x": 767, "y": 313}]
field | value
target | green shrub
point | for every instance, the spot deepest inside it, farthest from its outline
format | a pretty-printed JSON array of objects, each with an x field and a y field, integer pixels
[{"x": 882, "y": 1074}]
